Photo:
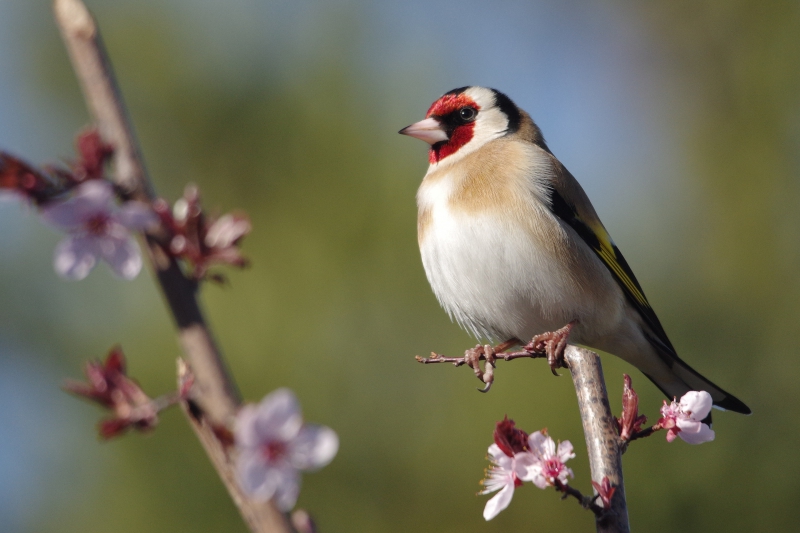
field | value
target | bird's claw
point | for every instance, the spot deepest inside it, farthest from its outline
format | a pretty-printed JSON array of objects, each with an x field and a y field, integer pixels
[
  {"x": 472, "y": 358},
  {"x": 552, "y": 343}
]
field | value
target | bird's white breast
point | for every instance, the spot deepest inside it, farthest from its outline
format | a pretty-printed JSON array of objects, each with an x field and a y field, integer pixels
[{"x": 498, "y": 270}]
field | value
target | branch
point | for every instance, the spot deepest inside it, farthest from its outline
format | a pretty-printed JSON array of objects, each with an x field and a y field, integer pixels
[
  {"x": 599, "y": 427},
  {"x": 214, "y": 395},
  {"x": 459, "y": 361},
  {"x": 587, "y": 502}
]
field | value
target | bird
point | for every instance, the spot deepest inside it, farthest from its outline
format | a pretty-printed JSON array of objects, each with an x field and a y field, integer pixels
[{"x": 514, "y": 250}]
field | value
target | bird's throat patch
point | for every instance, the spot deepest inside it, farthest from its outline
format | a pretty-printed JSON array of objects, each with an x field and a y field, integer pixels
[{"x": 460, "y": 136}]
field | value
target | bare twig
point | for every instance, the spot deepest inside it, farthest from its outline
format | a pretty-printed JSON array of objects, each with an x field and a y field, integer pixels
[
  {"x": 488, "y": 353},
  {"x": 587, "y": 502},
  {"x": 459, "y": 361},
  {"x": 214, "y": 394},
  {"x": 642, "y": 434},
  {"x": 599, "y": 427}
]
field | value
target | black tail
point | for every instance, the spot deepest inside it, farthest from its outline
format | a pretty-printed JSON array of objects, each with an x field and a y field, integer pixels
[{"x": 694, "y": 381}]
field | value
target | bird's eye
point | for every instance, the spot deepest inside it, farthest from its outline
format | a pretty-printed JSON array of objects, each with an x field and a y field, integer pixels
[{"x": 467, "y": 113}]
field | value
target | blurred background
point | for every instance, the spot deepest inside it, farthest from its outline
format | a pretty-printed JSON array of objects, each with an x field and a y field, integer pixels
[{"x": 680, "y": 118}]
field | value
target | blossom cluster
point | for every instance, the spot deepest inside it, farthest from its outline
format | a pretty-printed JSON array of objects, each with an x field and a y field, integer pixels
[
  {"x": 685, "y": 418},
  {"x": 99, "y": 220},
  {"x": 517, "y": 457}
]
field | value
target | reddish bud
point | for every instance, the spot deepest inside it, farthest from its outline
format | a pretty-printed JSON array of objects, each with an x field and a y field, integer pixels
[
  {"x": 93, "y": 153},
  {"x": 631, "y": 421},
  {"x": 199, "y": 239},
  {"x": 109, "y": 386},
  {"x": 510, "y": 439},
  {"x": 20, "y": 177},
  {"x": 605, "y": 491}
]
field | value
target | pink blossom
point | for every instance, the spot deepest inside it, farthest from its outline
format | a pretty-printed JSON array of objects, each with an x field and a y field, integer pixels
[
  {"x": 97, "y": 227},
  {"x": 505, "y": 474},
  {"x": 274, "y": 445},
  {"x": 685, "y": 418},
  {"x": 548, "y": 468}
]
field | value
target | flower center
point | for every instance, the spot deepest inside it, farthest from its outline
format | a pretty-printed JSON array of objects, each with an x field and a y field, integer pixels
[
  {"x": 98, "y": 224},
  {"x": 551, "y": 468},
  {"x": 274, "y": 450}
]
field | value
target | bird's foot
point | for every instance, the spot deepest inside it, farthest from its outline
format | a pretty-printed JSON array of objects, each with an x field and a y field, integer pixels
[
  {"x": 472, "y": 358},
  {"x": 553, "y": 344}
]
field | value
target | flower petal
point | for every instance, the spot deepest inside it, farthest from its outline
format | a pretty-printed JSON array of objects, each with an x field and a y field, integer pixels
[
  {"x": 672, "y": 433},
  {"x": 498, "y": 502},
  {"x": 288, "y": 491},
  {"x": 565, "y": 451},
  {"x": 64, "y": 215},
  {"x": 565, "y": 474},
  {"x": 495, "y": 452},
  {"x": 698, "y": 403},
  {"x": 701, "y": 435},
  {"x": 536, "y": 442},
  {"x": 255, "y": 476},
  {"x": 97, "y": 193},
  {"x": 122, "y": 254},
  {"x": 136, "y": 216},
  {"x": 496, "y": 479},
  {"x": 264, "y": 481},
  {"x": 279, "y": 416},
  {"x": 227, "y": 230},
  {"x": 92, "y": 197},
  {"x": 499, "y": 457},
  {"x": 75, "y": 257},
  {"x": 688, "y": 425},
  {"x": 535, "y": 475},
  {"x": 314, "y": 447},
  {"x": 522, "y": 462}
]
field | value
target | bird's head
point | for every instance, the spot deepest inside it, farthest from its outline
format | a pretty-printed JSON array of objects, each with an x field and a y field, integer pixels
[{"x": 463, "y": 120}]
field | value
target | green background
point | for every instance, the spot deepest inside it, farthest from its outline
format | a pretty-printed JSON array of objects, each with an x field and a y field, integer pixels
[{"x": 680, "y": 118}]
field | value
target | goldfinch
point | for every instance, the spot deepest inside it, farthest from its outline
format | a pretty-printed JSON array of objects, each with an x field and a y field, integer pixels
[{"x": 512, "y": 246}]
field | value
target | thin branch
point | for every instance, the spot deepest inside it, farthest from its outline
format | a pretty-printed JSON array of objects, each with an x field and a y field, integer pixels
[
  {"x": 587, "y": 502},
  {"x": 600, "y": 430},
  {"x": 639, "y": 435},
  {"x": 214, "y": 394},
  {"x": 459, "y": 361}
]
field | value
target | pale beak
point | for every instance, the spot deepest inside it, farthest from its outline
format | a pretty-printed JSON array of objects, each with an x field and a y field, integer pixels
[{"x": 428, "y": 130}]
